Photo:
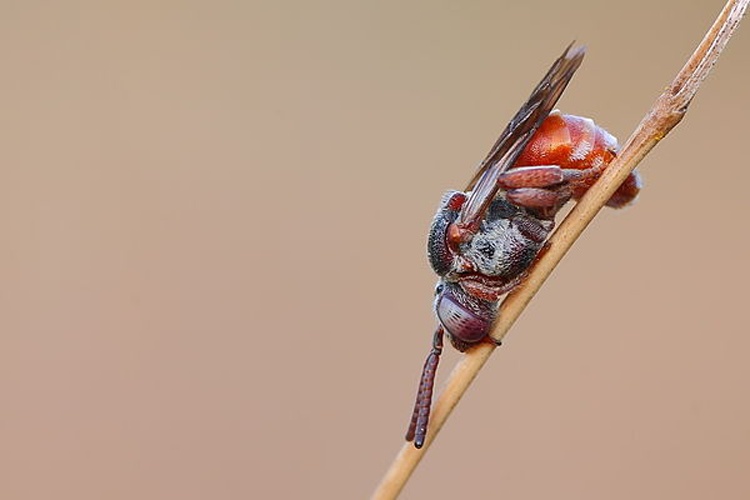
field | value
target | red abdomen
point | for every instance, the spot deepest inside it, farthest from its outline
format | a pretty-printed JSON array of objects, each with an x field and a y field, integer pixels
[{"x": 577, "y": 143}]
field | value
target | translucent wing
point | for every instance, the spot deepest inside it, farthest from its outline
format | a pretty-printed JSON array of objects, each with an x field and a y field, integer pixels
[{"x": 517, "y": 134}]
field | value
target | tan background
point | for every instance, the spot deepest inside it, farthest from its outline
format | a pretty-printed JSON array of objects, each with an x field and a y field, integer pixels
[{"x": 213, "y": 220}]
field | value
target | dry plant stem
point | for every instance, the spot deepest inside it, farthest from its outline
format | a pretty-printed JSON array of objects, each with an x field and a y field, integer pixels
[{"x": 664, "y": 115}]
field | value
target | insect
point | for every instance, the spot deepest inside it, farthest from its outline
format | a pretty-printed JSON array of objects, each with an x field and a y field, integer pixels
[{"x": 483, "y": 239}]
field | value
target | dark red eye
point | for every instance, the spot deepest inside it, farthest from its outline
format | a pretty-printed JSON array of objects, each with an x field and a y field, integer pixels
[
  {"x": 439, "y": 250},
  {"x": 460, "y": 321}
]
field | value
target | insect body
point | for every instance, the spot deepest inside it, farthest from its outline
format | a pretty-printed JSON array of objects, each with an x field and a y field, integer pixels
[{"x": 483, "y": 240}]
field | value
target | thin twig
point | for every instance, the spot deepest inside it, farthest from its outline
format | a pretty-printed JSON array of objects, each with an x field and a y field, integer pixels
[{"x": 663, "y": 116}]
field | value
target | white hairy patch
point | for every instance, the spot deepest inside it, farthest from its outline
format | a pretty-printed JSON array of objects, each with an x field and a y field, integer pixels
[{"x": 586, "y": 144}]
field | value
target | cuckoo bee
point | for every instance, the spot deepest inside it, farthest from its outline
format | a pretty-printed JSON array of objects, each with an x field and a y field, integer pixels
[{"x": 483, "y": 239}]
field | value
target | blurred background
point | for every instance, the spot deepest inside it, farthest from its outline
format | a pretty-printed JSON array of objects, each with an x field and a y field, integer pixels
[{"x": 214, "y": 281}]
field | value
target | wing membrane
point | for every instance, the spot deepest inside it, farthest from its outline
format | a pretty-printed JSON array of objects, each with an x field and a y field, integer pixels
[{"x": 517, "y": 134}]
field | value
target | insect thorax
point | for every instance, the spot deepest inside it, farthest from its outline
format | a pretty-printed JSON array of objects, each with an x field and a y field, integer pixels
[
  {"x": 503, "y": 246},
  {"x": 508, "y": 239}
]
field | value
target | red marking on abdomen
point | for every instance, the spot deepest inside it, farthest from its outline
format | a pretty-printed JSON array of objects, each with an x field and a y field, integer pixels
[{"x": 574, "y": 142}]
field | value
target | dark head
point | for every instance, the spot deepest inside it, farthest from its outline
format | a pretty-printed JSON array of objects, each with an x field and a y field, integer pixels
[{"x": 464, "y": 317}]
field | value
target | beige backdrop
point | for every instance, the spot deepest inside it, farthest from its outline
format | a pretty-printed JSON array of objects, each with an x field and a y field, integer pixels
[{"x": 213, "y": 220}]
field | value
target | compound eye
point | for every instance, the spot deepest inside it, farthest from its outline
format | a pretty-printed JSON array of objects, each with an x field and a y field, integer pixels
[
  {"x": 439, "y": 249},
  {"x": 459, "y": 321}
]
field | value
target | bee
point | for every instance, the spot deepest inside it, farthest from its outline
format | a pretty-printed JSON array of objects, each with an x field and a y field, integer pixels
[{"x": 484, "y": 239}]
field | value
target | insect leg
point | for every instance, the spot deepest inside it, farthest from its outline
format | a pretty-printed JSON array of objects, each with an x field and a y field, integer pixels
[
  {"x": 537, "y": 176},
  {"x": 537, "y": 197}
]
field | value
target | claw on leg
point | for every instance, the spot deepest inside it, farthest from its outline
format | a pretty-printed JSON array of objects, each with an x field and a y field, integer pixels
[{"x": 495, "y": 342}]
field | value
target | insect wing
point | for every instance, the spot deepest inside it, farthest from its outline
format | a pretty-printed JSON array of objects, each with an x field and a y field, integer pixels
[{"x": 517, "y": 134}]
